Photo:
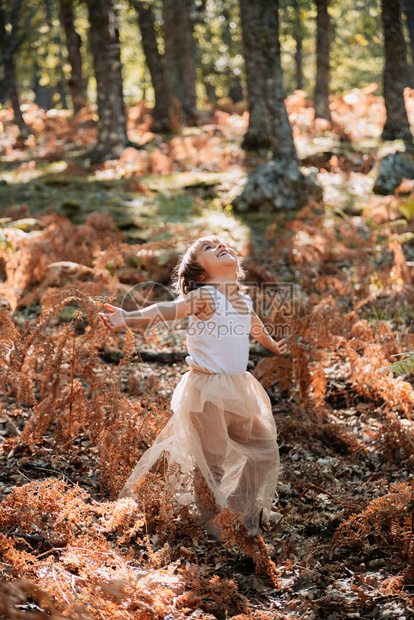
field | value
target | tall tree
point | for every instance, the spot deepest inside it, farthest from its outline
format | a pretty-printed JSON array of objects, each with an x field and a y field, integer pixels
[
  {"x": 49, "y": 80},
  {"x": 76, "y": 83},
  {"x": 278, "y": 183},
  {"x": 3, "y": 95},
  {"x": 408, "y": 10},
  {"x": 323, "y": 47},
  {"x": 268, "y": 120},
  {"x": 396, "y": 124},
  {"x": 179, "y": 53},
  {"x": 155, "y": 62},
  {"x": 55, "y": 36},
  {"x": 105, "y": 47},
  {"x": 298, "y": 34},
  {"x": 235, "y": 88},
  {"x": 10, "y": 42}
]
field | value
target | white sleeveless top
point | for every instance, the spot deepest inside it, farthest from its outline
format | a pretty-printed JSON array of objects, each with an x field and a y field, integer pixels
[{"x": 221, "y": 343}]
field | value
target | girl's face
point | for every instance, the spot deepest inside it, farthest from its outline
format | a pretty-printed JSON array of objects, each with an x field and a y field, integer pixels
[{"x": 215, "y": 257}]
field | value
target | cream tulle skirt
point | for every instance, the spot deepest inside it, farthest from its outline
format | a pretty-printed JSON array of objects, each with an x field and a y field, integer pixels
[{"x": 222, "y": 432}]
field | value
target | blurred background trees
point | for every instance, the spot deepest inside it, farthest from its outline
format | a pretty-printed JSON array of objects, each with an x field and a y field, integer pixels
[{"x": 181, "y": 55}]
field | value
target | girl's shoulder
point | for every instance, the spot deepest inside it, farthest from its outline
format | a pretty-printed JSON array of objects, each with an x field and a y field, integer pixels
[
  {"x": 246, "y": 297},
  {"x": 202, "y": 300},
  {"x": 243, "y": 293},
  {"x": 201, "y": 292}
]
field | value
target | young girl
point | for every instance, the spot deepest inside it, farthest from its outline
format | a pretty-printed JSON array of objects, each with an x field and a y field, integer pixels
[{"x": 222, "y": 431}]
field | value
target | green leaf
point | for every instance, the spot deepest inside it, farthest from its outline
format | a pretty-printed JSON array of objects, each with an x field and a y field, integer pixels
[
  {"x": 402, "y": 367},
  {"x": 407, "y": 209},
  {"x": 4, "y": 242},
  {"x": 163, "y": 258},
  {"x": 403, "y": 238},
  {"x": 399, "y": 222}
]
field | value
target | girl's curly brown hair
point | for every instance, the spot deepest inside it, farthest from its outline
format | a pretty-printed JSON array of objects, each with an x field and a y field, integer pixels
[{"x": 189, "y": 275}]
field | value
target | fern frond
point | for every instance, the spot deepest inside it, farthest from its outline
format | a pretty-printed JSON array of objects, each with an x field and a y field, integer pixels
[
  {"x": 402, "y": 367},
  {"x": 403, "y": 238}
]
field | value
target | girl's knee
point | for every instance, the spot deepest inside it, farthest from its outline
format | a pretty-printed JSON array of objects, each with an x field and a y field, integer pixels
[{"x": 271, "y": 454}]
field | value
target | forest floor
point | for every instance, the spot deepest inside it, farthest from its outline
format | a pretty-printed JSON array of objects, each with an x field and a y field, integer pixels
[{"x": 80, "y": 405}]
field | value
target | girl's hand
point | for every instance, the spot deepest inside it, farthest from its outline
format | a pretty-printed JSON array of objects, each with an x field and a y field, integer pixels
[
  {"x": 116, "y": 319},
  {"x": 282, "y": 347}
]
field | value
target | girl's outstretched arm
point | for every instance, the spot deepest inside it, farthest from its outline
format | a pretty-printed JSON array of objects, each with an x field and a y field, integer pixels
[
  {"x": 193, "y": 303},
  {"x": 260, "y": 333}
]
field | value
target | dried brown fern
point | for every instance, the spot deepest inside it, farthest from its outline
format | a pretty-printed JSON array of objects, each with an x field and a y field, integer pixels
[
  {"x": 63, "y": 542},
  {"x": 209, "y": 592},
  {"x": 254, "y": 547},
  {"x": 386, "y": 523},
  {"x": 271, "y": 371}
]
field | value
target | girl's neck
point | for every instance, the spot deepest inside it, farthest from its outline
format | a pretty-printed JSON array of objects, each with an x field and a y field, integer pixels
[{"x": 227, "y": 286}]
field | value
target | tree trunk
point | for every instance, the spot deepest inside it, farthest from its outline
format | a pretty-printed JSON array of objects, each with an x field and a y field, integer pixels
[
  {"x": 298, "y": 33},
  {"x": 76, "y": 83},
  {"x": 236, "y": 90},
  {"x": 43, "y": 93},
  {"x": 105, "y": 46},
  {"x": 162, "y": 91},
  {"x": 323, "y": 47},
  {"x": 3, "y": 87},
  {"x": 396, "y": 124},
  {"x": 268, "y": 120},
  {"x": 408, "y": 9},
  {"x": 179, "y": 53},
  {"x": 277, "y": 184},
  {"x": 13, "y": 94},
  {"x": 258, "y": 133},
  {"x": 8, "y": 47}
]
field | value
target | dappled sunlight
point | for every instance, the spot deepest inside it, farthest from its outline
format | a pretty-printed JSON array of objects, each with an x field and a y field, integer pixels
[
  {"x": 128, "y": 131},
  {"x": 81, "y": 405}
]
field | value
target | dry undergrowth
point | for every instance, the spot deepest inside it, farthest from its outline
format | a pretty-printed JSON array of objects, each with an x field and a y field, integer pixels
[{"x": 69, "y": 555}]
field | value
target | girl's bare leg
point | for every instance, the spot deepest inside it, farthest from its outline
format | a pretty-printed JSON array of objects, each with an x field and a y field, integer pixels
[
  {"x": 262, "y": 456},
  {"x": 213, "y": 440}
]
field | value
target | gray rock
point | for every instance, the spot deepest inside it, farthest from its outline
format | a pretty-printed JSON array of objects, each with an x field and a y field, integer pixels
[
  {"x": 393, "y": 168},
  {"x": 275, "y": 186}
]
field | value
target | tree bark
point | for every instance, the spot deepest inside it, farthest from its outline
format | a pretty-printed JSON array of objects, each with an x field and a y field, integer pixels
[
  {"x": 179, "y": 53},
  {"x": 76, "y": 83},
  {"x": 258, "y": 133},
  {"x": 408, "y": 9},
  {"x": 155, "y": 62},
  {"x": 235, "y": 88},
  {"x": 9, "y": 45},
  {"x": 3, "y": 94},
  {"x": 268, "y": 120},
  {"x": 298, "y": 32},
  {"x": 396, "y": 124},
  {"x": 277, "y": 184},
  {"x": 323, "y": 47},
  {"x": 13, "y": 94},
  {"x": 105, "y": 46}
]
